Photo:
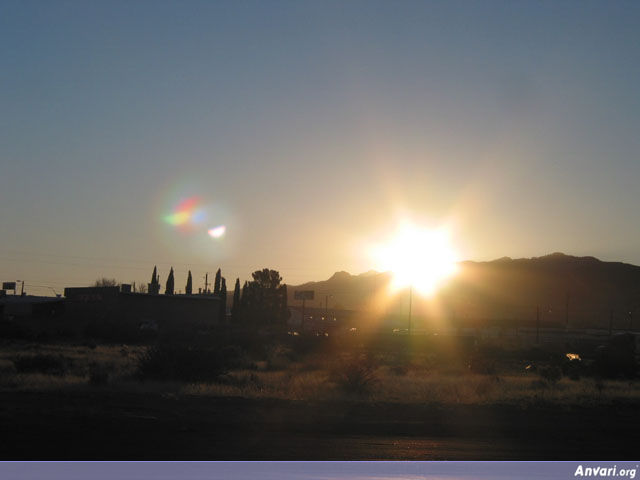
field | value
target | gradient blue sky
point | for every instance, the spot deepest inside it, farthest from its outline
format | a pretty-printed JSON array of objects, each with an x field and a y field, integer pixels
[{"x": 309, "y": 129}]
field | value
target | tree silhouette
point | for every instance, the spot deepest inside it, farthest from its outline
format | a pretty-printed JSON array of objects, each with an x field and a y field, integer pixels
[
  {"x": 235, "y": 308},
  {"x": 264, "y": 299},
  {"x": 169, "y": 286},
  {"x": 105, "y": 282},
  {"x": 154, "y": 286},
  {"x": 216, "y": 284},
  {"x": 266, "y": 279},
  {"x": 243, "y": 295},
  {"x": 189, "y": 288},
  {"x": 223, "y": 299}
]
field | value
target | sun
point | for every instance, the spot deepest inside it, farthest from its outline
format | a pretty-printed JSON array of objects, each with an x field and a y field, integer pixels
[{"x": 420, "y": 258}]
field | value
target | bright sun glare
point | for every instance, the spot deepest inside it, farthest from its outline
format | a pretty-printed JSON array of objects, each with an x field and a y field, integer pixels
[{"x": 417, "y": 257}]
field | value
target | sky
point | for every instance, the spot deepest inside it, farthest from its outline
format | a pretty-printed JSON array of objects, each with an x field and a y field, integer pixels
[{"x": 308, "y": 130}]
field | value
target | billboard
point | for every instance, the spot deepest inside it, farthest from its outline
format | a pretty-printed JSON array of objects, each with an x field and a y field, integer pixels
[
  {"x": 8, "y": 285},
  {"x": 303, "y": 294}
]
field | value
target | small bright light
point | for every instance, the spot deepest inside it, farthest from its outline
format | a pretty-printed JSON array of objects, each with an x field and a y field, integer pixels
[
  {"x": 418, "y": 257},
  {"x": 217, "y": 232}
]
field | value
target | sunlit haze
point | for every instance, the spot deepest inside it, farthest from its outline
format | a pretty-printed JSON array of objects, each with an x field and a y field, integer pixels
[
  {"x": 417, "y": 257},
  {"x": 294, "y": 135}
]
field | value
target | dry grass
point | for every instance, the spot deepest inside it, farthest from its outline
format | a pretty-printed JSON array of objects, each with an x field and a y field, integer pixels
[
  {"x": 315, "y": 379},
  {"x": 416, "y": 389},
  {"x": 116, "y": 362}
]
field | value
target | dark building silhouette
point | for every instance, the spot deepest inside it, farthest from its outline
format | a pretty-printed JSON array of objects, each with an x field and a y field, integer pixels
[
  {"x": 30, "y": 306},
  {"x": 110, "y": 303}
]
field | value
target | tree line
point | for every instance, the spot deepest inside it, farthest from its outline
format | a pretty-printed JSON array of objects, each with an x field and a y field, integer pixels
[{"x": 262, "y": 299}]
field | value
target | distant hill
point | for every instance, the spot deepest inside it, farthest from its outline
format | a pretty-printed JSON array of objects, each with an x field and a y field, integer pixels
[{"x": 585, "y": 289}]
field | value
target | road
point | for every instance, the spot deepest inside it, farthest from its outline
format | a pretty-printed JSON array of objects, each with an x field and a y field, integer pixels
[{"x": 106, "y": 425}]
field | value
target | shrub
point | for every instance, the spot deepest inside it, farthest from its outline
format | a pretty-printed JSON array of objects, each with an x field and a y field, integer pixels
[
  {"x": 41, "y": 363},
  {"x": 279, "y": 357},
  {"x": 356, "y": 376},
  {"x": 187, "y": 363}
]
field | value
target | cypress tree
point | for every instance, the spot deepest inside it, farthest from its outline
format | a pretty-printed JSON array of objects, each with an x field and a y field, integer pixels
[
  {"x": 235, "y": 308},
  {"x": 154, "y": 274},
  {"x": 169, "y": 286},
  {"x": 223, "y": 299},
  {"x": 189, "y": 288},
  {"x": 216, "y": 285},
  {"x": 154, "y": 286}
]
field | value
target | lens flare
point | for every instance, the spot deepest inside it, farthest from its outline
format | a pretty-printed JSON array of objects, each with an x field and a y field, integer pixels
[
  {"x": 217, "y": 232},
  {"x": 187, "y": 213},
  {"x": 418, "y": 257}
]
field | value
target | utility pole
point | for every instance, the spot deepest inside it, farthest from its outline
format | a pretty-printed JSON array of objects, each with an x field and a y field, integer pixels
[
  {"x": 326, "y": 306},
  {"x": 410, "y": 299},
  {"x": 537, "y": 325},
  {"x": 206, "y": 283},
  {"x": 566, "y": 312}
]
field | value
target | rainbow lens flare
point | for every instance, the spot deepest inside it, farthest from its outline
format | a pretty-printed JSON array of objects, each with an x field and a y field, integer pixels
[
  {"x": 187, "y": 213},
  {"x": 217, "y": 232}
]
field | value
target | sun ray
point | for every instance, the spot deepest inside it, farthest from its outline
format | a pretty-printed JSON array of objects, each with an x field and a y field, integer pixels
[{"x": 420, "y": 258}]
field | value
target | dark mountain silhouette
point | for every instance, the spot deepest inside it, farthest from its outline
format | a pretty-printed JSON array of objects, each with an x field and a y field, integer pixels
[
  {"x": 347, "y": 291},
  {"x": 583, "y": 290}
]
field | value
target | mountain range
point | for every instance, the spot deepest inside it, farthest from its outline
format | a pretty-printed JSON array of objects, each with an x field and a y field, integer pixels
[{"x": 557, "y": 288}]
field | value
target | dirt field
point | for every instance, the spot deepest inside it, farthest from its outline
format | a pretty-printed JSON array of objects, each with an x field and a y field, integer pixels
[{"x": 141, "y": 426}]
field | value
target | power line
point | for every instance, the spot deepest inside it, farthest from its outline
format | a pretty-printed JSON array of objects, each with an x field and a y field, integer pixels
[{"x": 147, "y": 262}]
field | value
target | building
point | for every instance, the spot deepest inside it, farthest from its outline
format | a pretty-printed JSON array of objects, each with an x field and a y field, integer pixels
[
  {"x": 30, "y": 306},
  {"x": 155, "y": 311}
]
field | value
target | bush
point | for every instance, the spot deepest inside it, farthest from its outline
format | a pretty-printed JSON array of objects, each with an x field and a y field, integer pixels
[
  {"x": 41, "y": 363},
  {"x": 356, "y": 376},
  {"x": 279, "y": 357},
  {"x": 187, "y": 363}
]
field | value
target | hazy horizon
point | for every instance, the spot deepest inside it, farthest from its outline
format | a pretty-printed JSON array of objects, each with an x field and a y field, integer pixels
[{"x": 293, "y": 135}]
